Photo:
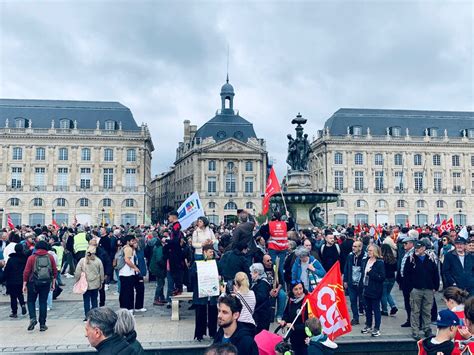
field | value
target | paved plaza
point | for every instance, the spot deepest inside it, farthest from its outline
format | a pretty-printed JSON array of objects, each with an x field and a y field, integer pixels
[{"x": 154, "y": 327}]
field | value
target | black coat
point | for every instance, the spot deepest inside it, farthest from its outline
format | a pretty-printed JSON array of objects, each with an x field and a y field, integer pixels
[
  {"x": 232, "y": 262},
  {"x": 262, "y": 314},
  {"x": 348, "y": 266},
  {"x": 173, "y": 250},
  {"x": 13, "y": 272},
  {"x": 242, "y": 233},
  {"x": 298, "y": 335},
  {"x": 376, "y": 277},
  {"x": 455, "y": 274},
  {"x": 421, "y": 274},
  {"x": 131, "y": 339},
  {"x": 242, "y": 339},
  {"x": 113, "y": 345}
]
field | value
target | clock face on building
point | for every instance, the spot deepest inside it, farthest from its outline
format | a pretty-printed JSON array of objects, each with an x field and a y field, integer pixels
[{"x": 221, "y": 134}]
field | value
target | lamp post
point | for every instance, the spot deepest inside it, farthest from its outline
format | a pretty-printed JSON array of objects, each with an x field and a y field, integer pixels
[
  {"x": 376, "y": 217},
  {"x": 214, "y": 217},
  {"x": 418, "y": 217},
  {"x": 1, "y": 218},
  {"x": 103, "y": 217},
  {"x": 460, "y": 217}
]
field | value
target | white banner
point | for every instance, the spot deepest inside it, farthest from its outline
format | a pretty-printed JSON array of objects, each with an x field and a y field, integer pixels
[
  {"x": 208, "y": 278},
  {"x": 190, "y": 210}
]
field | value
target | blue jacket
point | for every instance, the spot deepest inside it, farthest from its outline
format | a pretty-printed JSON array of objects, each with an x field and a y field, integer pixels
[
  {"x": 456, "y": 274},
  {"x": 141, "y": 262},
  {"x": 296, "y": 269}
]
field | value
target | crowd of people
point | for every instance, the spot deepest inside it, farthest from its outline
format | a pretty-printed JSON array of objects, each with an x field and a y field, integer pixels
[{"x": 265, "y": 271}]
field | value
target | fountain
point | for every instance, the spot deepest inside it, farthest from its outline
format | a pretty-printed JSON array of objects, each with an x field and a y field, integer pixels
[{"x": 300, "y": 199}]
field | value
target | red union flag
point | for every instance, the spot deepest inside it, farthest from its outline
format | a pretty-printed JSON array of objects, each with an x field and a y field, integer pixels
[
  {"x": 272, "y": 188},
  {"x": 55, "y": 224},
  {"x": 327, "y": 302},
  {"x": 10, "y": 222},
  {"x": 450, "y": 225},
  {"x": 442, "y": 226}
]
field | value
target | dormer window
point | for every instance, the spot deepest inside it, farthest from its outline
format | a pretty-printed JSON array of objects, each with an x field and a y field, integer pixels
[
  {"x": 110, "y": 125},
  {"x": 356, "y": 130},
  {"x": 433, "y": 131},
  {"x": 65, "y": 123},
  {"x": 21, "y": 122},
  {"x": 470, "y": 133},
  {"x": 395, "y": 131}
]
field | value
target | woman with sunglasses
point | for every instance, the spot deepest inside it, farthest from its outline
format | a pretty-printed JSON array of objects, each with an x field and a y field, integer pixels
[
  {"x": 297, "y": 331},
  {"x": 447, "y": 247}
]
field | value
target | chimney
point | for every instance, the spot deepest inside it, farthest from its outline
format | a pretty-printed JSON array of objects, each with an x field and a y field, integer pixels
[{"x": 186, "y": 131}]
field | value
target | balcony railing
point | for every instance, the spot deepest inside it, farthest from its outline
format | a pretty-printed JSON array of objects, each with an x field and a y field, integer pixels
[
  {"x": 361, "y": 190},
  {"x": 107, "y": 189},
  {"x": 440, "y": 191},
  {"x": 61, "y": 188},
  {"x": 14, "y": 188},
  {"x": 381, "y": 191},
  {"x": 459, "y": 191},
  {"x": 129, "y": 189},
  {"x": 38, "y": 188},
  {"x": 83, "y": 188}
]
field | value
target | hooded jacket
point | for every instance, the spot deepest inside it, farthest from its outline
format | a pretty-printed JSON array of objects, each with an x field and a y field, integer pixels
[
  {"x": 13, "y": 271},
  {"x": 131, "y": 339},
  {"x": 426, "y": 347},
  {"x": 30, "y": 265},
  {"x": 321, "y": 345},
  {"x": 242, "y": 339}
]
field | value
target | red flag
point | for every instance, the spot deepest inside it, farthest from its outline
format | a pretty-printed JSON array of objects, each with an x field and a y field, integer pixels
[
  {"x": 450, "y": 225},
  {"x": 55, "y": 224},
  {"x": 328, "y": 303},
  {"x": 442, "y": 227},
  {"x": 10, "y": 222},
  {"x": 272, "y": 188},
  {"x": 407, "y": 224},
  {"x": 357, "y": 229}
]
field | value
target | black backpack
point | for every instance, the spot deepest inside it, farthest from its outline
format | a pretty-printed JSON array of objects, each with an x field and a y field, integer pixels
[{"x": 43, "y": 270}]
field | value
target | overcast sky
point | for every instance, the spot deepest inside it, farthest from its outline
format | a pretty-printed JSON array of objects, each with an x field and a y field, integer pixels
[{"x": 166, "y": 60}]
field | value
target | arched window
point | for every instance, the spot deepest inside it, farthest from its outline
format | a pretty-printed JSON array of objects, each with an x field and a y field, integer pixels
[
  {"x": 397, "y": 159},
  {"x": 84, "y": 202},
  {"x": 63, "y": 154},
  {"x": 417, "y": 159},
  {"x": 60, "y": 202},
  {"x": 341, "y": 203},
  {"x": 361, "y": 204},
  {"x": 129, "y": 202},
  {"x": 338, "y": 160},
  {"x": 249, "y": 205},
  {"x": 378, "y": 159},
  {"x": 230, "y": 206},
  {"x": 420, "y": 204},
  {"x": 38, "y": 202},
  {"x": 85, "y": 154},
  {"x": 14, "y": 202},
  {"x": 440, "y": 204},
  {"x": 459, "y": 204},
  {"x": 402, "y": 204},
  {"x": 381, "y": 204}
]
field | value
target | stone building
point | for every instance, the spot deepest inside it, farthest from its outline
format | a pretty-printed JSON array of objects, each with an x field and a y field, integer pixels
[
  {"x": 223, "y": 161},
  {"x": 73, "y": 158},
  {"x": 390, "y": 166}
]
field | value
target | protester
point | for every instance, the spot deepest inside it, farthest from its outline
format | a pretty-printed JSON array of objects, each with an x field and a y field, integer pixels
[
  {"x": 158, "y": 269},
  {"x": 330, "y": 251},
  {"x": 221, "y": 349},
  {"x": 294, "y": 317},
  {"x": 39, "y": 278},
  {"x": 277, "y": 293},
  {"x": 128, "y": 274},
  {"x": 407, "y": 253},
  {"x": 351, "y": 279},
  {"x": 423, "y": 278},
  {"x": 454, "y": 299},
  {"x": 125, "y": 327},
  {"x": 231, "y": 331},
  {"x": 458, "y": 267},
  {"x": 373, "y": 276},
  {"x": 318, "y": 342},
  {"x": 306, "y": 268},
  {"x": 261, "y": 287},
  {"x": 247, "y": 298},
  {"x": 13, "y": 275},
  {"x": 202, "y": 235},
  {"x": 390, "y": 263},
  {"x": 174, "y": 255},
  {"x": 93, "y": 269},
  {"x": 234, "y": 261},
  {"x": 100, "y": 332},
  {"x": 205, "y": 307},
  {"x": 447, "y": 324},
  {"x": 243, "y": 233}
]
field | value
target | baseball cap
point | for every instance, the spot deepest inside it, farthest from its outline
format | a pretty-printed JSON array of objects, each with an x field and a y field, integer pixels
[
  {"x": 460, "y": 240},
  {"x": 419, "y": 244},
  {"x": 447, "y": 318}
]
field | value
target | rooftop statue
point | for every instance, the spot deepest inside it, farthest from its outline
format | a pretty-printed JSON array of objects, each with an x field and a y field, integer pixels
[{"x": 299, "y": 148}]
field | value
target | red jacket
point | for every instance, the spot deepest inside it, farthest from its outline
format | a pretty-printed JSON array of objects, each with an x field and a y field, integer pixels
[{"x": 30, "y": 264}]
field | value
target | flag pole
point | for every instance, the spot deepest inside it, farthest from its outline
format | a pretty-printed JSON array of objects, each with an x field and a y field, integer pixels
[
  {"x": 298, "y": 313},
  {"x": 283, "y": 198}
]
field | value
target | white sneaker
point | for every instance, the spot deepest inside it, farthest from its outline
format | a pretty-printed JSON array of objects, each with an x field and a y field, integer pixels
[
  {"x": 106, "y": 288},
  {"x": 68, "y": 276},
  {"x": 141, "y": 310},
  {"x": 48, "y": 309}
]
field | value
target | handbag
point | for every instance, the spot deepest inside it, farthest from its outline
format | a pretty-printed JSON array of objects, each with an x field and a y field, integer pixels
[{"x": 80, "y": 287}]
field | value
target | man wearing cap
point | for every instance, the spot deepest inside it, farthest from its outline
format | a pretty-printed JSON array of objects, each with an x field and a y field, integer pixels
[
  {"x": 330, "y": 251},
  {"x": 409, "y": 250},
  {"x": 447, "y": 324},
  {"x": 421, "y": 273},
  {"x": 458, "y": 267}
]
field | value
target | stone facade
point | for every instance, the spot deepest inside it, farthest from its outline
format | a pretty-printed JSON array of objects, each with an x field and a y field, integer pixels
[
  {"x": 386, "y": 172},
  {"x": 223, "y": 161},
  {"x": 95, "y": 174}
]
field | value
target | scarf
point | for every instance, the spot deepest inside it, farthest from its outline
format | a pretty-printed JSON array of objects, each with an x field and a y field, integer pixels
[{"x": 408, "y": 254}]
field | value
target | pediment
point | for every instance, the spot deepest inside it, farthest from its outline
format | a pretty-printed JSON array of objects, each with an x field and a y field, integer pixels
[{"x": 231, "y": 145}]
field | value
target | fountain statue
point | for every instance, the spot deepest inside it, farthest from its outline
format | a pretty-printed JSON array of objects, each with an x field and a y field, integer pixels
[{"x": 300, "y": 198}]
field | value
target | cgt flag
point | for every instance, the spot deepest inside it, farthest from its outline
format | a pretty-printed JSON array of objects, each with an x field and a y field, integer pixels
[
  {"x": 190, "y": 210},
  {"x": 328, "y": 303},
  {"x": 272, "y": 188},
  {"x": 10, "y": 222}
]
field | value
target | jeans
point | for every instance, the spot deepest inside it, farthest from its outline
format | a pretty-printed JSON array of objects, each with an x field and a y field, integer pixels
[
  {"x": 278, "y": 253},
  {"x": 118, "y": 280},
  {"x": 160, "y": 285},
  {"x": 41, "y": 293},
  {"x": 355, "y": 296},
  {"x": 386, "y": 296},
  {"x": 372, "y": 305},
  {"x": 69, "y": 263},
  {"x": 139, "y": 292},
  {"x": 90, "y": 300},
  {"x": 49, "y": 301},
  {"x": 281, "y": 303}
]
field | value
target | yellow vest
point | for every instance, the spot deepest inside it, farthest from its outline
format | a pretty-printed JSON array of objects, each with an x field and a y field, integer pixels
[
  {"x": 59, "y": 252},
  {"x": 80, "y": 242}
]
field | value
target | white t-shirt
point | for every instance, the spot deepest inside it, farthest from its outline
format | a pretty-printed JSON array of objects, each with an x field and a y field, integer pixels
[
  {"x": 9, "y": 249},
  {"x": 127, "y": 270}
]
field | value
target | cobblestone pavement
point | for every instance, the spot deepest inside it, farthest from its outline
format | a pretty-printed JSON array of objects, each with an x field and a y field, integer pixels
[{"x": 154, "y": 327}]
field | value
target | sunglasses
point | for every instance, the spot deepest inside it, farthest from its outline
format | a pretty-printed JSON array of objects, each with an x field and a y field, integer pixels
[
  {"x": 295, "y": 282},
  {"x": 445, "y": 240}
]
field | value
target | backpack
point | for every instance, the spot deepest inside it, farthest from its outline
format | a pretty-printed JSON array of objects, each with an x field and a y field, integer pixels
[
  {"x": 120, "y": 261},
  {"x": 337, "y": 247},
  {"x": 42, "y": 271}
]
